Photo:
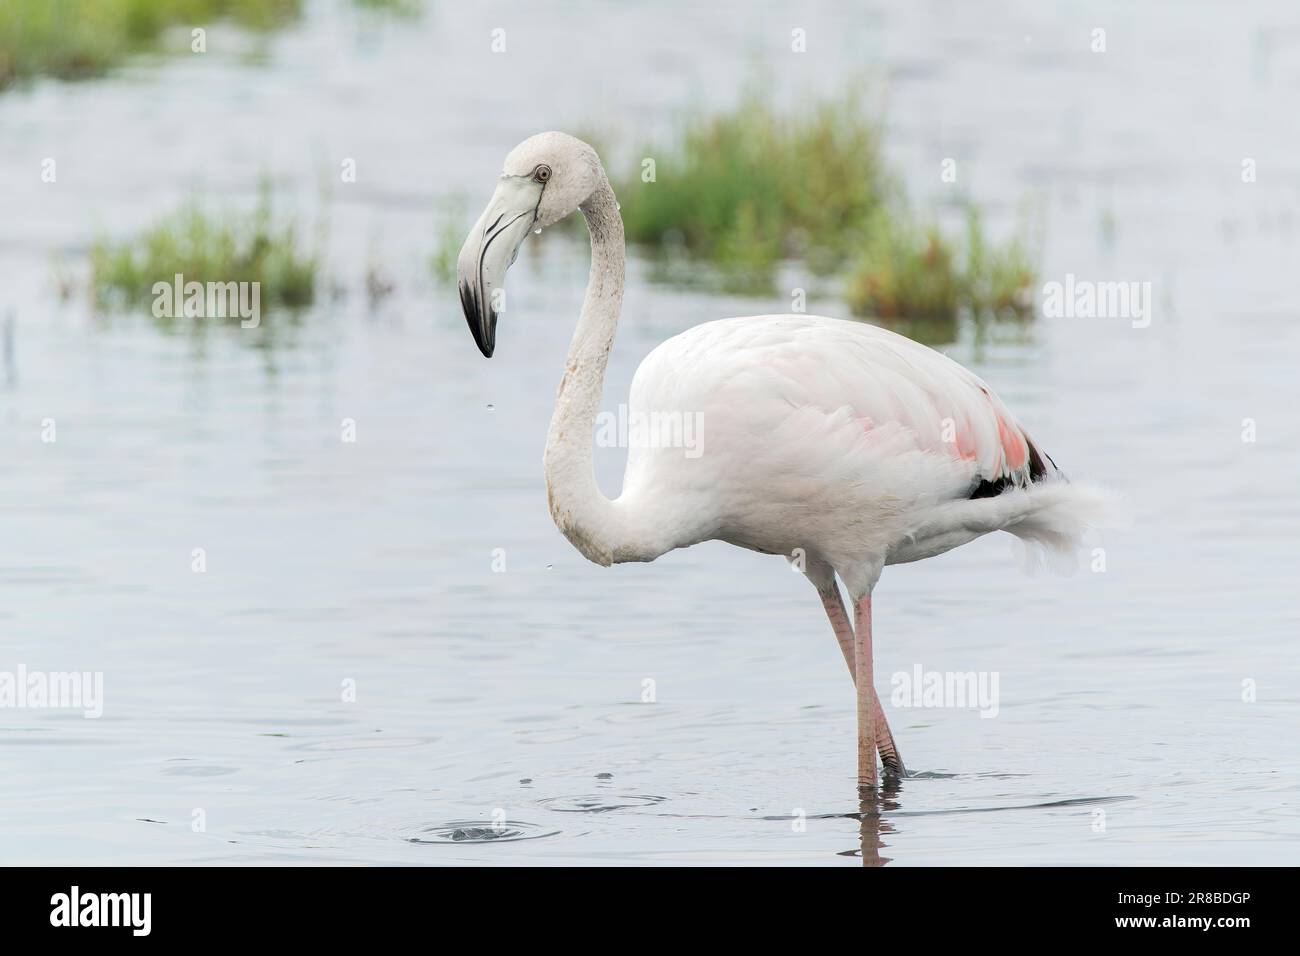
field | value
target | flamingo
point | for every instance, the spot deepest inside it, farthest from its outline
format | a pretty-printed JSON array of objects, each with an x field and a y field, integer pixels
[{"x": 840, "y": 445}]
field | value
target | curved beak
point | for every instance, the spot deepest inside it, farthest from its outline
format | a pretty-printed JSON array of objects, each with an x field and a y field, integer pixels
[{"x": 490, "y": 250}]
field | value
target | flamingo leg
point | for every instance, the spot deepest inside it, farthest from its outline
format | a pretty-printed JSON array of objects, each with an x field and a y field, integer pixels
[
  {"x": 889, "y": 754},
  {"x": 839, "y": 618},
  {"x": 844, "y": 634},
  {"x": 867, "y": 706}
]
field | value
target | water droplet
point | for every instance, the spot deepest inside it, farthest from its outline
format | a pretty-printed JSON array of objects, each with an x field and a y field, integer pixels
[
  {"x": 490, "y": 406},
  {"x": 549, "y": 566},
  {"x": 537, "y": 231},
  {"x": 604, "y": 776}
]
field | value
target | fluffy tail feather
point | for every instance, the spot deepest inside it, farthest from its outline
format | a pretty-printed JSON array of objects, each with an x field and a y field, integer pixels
[
  {"x": 1055, "y": 517},
  {"x": 1050, "y": 517}
]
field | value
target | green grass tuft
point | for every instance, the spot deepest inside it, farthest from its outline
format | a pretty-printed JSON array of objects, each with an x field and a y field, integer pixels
[
  {"x": 453, "y": 222},
  {"x": 77, "y": 39},
  {"x": 254, "y": 248},
  {"x": 406, "y": 9},
  {"x": 747, "y": 190},
  {"x": 907, "y": 272}
]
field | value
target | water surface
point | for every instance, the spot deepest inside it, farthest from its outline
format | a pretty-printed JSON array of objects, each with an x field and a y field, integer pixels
[{"x": 498, "y": 717}]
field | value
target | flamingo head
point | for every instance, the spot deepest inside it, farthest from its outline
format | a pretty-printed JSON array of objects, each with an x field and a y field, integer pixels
[{"x": 545, "y": 178}]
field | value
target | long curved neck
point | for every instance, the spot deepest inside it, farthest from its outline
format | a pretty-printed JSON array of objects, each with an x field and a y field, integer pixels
[{"x": 595, "y": 525}]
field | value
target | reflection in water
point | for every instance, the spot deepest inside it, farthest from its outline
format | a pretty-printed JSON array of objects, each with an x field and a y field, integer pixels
[
  {"x": 873, "y": 803},
  {"x": 934, "y": 332}
]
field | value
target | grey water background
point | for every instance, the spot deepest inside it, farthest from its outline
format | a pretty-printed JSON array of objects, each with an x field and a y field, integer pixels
[{"x": 1122, "y": 735}]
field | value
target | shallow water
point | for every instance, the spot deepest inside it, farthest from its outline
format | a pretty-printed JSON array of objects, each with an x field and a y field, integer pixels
[{"x": 498, "y": 717}]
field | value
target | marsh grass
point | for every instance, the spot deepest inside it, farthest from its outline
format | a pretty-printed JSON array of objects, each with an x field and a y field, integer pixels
[
  {"x": 905, "y": 271},
  {"x": 203, "y": 248},
  {"x": 748, "y": 190},
  {"x": 406, "y": 9},
  {"x": 911, "y": 272},
  {"x": 452, "y": 225},
  {"x": 78, "y": 39},
  {"x": 999, "y": 280}
]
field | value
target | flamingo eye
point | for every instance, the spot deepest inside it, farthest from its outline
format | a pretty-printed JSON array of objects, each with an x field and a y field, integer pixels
[{"x": 542, "y": 173}]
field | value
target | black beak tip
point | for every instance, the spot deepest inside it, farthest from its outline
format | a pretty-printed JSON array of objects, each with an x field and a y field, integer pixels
[{"x": 484, "y": 332}]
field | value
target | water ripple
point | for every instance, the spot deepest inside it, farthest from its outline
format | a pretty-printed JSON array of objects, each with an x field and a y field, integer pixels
[
  {"x": 601, "y": 803},
  {"x": 482, "y": 831}
]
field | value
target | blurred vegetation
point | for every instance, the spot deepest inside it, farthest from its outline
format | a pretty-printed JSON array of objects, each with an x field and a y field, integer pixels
[
  {"x": 999, "y": 280},
  {"x": 904, "y": 272},
  {"x": 453, "y": 223},
  {"x": 910, "y": 272},
  {"x": 400, "y": 8},
  {"x": 202, "y": 248},
  {"x": 746, "y": 189},
  {"x": 749, "y": 189},
  {"x": 78, "y": 39}
]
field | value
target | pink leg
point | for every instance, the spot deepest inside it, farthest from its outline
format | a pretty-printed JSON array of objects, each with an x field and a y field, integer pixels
[
  {"x": 839, "y": 618},
  {"x": 863, "y": 677}
]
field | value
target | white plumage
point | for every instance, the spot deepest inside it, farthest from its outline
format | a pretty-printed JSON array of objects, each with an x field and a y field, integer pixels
[
  {"x": 841, "y": 446},
  {"x": 835, "y": 438}
]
